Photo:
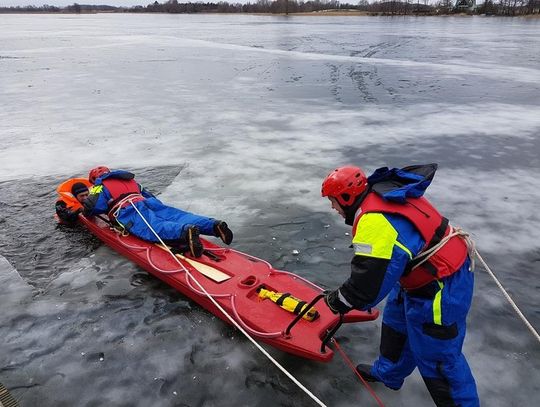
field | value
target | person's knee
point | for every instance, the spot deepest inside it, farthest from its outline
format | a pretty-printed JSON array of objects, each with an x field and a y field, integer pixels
[{"x": 392, "y": 343}]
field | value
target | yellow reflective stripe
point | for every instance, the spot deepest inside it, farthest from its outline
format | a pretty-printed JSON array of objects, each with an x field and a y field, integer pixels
[
  {"x": 375, "y": 236},
  {"x": 404, "y": 249},
  {"x": 437, "y": 313},
  {"x": 96, "y": 189}
]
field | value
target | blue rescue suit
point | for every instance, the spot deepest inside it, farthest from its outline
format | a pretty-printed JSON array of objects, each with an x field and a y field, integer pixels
[
  {"x": 424, "y": 327},
  {"x": 168, "y": 222}
]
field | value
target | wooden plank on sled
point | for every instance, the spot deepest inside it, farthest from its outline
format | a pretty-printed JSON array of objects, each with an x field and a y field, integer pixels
[{"x": 208, "y": 271}]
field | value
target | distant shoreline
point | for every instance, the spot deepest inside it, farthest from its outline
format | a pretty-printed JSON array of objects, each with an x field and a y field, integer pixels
[{"x": 320, "y": 13}]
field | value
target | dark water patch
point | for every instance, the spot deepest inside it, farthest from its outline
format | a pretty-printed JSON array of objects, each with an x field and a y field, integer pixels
[
  {"x": 33, "y": 242},
  {"x": 519, "y": 275},
  {"x": 275, "y": 125},
  {"x": 480, "y": 151}
]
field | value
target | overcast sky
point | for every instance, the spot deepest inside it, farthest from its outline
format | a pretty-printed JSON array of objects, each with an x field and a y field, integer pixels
[
  {"x": 61, "y": 3},
  {"x": 67, "y": 2},
  {"x": 8, "y": 3}
]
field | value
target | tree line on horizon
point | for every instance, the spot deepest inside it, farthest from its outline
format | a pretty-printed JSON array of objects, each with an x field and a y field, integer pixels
[{"x": 405, "y": 7}]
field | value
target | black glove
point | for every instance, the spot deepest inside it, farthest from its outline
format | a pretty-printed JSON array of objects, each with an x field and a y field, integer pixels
[
  {"x": 65, "y": 214},
  {"x": 72, "y": 216},
  {"x": 334, "y": 303}
]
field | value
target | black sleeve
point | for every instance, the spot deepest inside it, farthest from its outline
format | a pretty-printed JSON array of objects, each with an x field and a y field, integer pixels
[
  {"x": 64, "y": 213},
  {"x": 364, "y": 284},
  {"x": 89, "y": 204}
]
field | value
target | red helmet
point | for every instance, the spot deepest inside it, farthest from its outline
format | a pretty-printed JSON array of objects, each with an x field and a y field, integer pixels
[
  {"x": 97, "y": 172},
  {"x": 344, "y": 184}
]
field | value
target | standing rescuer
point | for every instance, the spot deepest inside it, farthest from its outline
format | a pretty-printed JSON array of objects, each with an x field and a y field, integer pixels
[{"x": 404, "y": 249}]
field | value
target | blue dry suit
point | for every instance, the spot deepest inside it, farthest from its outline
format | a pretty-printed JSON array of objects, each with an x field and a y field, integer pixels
[
  {"x": 168, "y": 222},
  {"x": 422, "y": 328}
]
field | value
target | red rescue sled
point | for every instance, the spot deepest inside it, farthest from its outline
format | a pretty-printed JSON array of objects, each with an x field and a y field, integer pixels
[{"x": 233, "y": 278}]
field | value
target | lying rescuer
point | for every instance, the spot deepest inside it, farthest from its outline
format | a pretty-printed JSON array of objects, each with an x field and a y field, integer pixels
[
  {"x": 425, "y": 314},
  {"x": 73, "y": 193},
  {"x": 113, "y": 193}
]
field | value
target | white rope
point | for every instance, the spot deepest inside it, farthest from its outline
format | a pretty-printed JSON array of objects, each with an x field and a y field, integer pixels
[
  {"x": 457, "y": 231},
  {"x": 512, "y": 303},
  {"x": 473, "y": 252},
  {"x": 230, "y": 318}
]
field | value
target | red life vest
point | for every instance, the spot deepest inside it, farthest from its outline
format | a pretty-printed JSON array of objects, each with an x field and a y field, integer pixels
[
  {"x": 432, "y": 227},
  {"x": 120, "y": 189}
]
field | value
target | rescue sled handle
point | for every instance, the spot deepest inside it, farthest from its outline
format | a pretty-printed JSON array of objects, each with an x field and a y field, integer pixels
[
  {"x": 330, "y": 333},
  {"x": 302, "y": 313}
]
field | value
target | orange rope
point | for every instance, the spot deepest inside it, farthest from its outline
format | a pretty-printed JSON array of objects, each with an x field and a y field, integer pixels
[{"x": 353, "y": 368}]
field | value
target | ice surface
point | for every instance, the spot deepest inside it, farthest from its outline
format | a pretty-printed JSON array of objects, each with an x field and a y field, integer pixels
[{"x": 240, "y": 118}]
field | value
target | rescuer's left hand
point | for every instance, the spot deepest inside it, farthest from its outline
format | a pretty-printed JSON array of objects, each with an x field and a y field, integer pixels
[{"x": 334, "y": 303}]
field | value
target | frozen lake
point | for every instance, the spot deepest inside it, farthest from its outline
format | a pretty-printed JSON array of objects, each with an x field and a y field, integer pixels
[{"x": 240, "y": 118}]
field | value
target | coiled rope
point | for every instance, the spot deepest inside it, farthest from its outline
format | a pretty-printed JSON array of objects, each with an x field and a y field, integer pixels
[
  {"x": 229, "y": 317},
  {"x": 457, "y": 231},
  {"x": 473, "y": 253}
]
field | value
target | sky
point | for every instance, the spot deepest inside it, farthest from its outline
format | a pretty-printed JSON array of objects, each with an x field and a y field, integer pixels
[
  {"x": 8, "y": 3},
  {"x": 128, "y": 3},
  {"x": 61, "y": 3}
]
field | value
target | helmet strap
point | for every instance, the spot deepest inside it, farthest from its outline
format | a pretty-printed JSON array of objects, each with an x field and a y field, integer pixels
[{"x": 351, "y": 210}]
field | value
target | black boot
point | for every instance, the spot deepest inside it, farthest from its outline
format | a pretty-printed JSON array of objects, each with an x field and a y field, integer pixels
[
  {"x": 194, "y": 243},
  {"x": 222, "y": 231},
  {"x": 365, "y": 371}
]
